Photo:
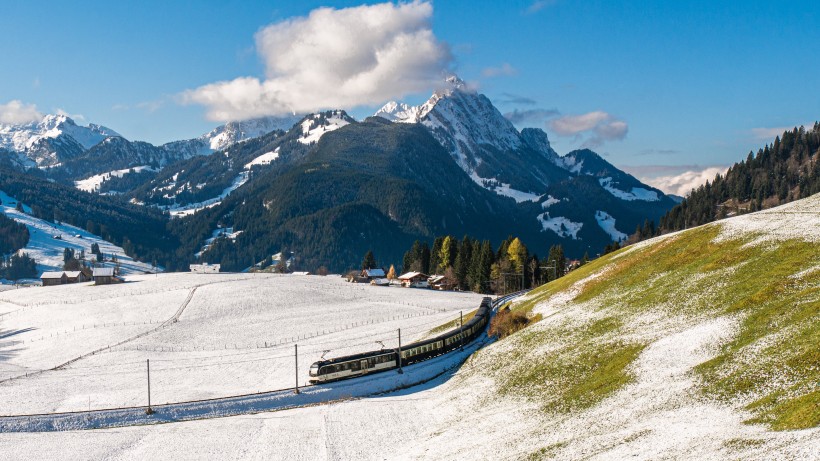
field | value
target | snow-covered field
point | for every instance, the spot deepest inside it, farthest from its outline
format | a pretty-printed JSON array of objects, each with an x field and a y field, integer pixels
[
  {"x": 235, "y": 334},
  {"x": 48, "y": 250}
]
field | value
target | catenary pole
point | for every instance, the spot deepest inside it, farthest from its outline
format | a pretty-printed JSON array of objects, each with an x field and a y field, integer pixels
[
  {"x": 148, "y": 367},
  {"x": 400, "y": 370},
  {"x": 296, "y": 357},
  {"x": 461, "y": 327}
]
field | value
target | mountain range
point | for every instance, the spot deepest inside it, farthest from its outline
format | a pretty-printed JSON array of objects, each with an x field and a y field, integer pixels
[{"x": 328, "y": 187}]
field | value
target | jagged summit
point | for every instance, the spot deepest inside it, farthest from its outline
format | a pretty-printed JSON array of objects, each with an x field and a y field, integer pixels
[{"x": 51, "y": 140}]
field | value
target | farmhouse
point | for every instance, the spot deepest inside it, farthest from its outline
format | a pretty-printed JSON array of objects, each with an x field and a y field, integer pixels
[
  {"x": 414, "y": 280},
  {"x": 105, "y": 276},
  {"x": 77, "y": 276},
  {"x": 53, "y": 278},
  {"x": 371, "y": 274},
  {"x": 441, "y": 282}
]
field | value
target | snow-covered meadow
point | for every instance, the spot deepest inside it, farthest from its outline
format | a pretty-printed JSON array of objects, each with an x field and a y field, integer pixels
[{"x": 233, "y": 334}]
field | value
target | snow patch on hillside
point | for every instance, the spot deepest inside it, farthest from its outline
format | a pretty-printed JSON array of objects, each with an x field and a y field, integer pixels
[
  {"x": 47, "y": 250},
  {"x": 178, "y": 211},
  {"x": 93, "y": 183},
  {"x": 607, "y": 223},
  {"x": 314, "y": 128},
  {"x": 560, "y": 225},
  {"x": 637, "y": 193},
  {"x": 503, "y": 189},
  {"x": 550, "y": 201},
  {"x": 264, "y": 159}
]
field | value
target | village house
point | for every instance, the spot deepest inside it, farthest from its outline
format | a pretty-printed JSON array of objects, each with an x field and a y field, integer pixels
[
  {"x": 414, "y": 280},
  {"x": 77, "y": 276},
  {"x": 368, "y": 275},
  {"x": 441, "y": 282},
  {"x": 52, "y": 278},
  {"x": 105, "y": 276}
]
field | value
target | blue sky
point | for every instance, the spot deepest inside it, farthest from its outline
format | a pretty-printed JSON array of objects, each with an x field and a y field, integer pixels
[{"x": 673, "y": 84}]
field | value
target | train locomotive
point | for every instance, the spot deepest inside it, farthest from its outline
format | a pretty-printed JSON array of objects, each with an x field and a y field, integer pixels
[{"x": 351, "y": 366}]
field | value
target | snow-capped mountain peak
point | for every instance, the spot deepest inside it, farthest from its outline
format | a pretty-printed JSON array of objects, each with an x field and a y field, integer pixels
[{"x": 50, "y": 140}]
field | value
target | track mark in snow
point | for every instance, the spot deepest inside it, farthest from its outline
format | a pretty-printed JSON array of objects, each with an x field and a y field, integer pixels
[{"x": 170, "y": 321}]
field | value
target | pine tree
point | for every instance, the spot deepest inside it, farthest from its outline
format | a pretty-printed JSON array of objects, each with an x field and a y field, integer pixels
[
  {"x": 391, "y": 274},
  {"x": 369, "y": 261}
]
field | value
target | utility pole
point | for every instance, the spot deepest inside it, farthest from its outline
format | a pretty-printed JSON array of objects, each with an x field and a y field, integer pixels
[
  {"x": 296, "y": 358},
  {"x": 399, "y": 355},
  {"x": 148, "y": 366}
]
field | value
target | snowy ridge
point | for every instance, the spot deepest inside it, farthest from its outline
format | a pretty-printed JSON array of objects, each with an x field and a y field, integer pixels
[
  {"x": 229, "y": 134},
  {"x": 41, "y": 141},
  {"x": 48, "y": 250}
]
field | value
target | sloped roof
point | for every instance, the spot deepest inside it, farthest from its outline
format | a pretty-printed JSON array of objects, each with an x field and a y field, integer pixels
[
  {"x": 52, "y": 275},
  {"x": 72, "y": 274},
  {"x": 374, "y": 272},
  {"x": 410, "y": 275},
  {"x": 103, "y": 272},
  {"x": 436, "y": 278}
]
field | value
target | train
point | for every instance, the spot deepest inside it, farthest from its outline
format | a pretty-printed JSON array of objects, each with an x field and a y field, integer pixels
[{"x": 351, "y": 366}]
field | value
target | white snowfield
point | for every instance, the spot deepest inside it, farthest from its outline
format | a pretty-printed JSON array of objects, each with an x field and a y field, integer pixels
[
  {"x": 48, "y": 250},
  {"x": 637, "y": 193},
  {"x": 93, "y": 183},
  {"x": 234, "y": 334}
]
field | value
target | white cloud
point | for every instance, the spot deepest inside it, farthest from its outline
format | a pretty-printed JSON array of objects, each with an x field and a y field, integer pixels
[
  {"x": 678, "y": 179},
  {"x": 16, "y": 113},
  {"x": 334, "y": 58},
  {"x": 595, "y": 127},
  {"x": 504, "y": 69}
]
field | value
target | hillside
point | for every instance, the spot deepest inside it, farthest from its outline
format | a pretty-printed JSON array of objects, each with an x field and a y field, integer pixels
[{"x": 694, "y": 344}]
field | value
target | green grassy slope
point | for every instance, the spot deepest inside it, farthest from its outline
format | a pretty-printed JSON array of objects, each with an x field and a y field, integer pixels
[{"x": 599, "y": 318}]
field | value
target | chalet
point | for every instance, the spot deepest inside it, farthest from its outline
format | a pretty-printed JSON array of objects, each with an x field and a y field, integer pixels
[
  {"x": 414, "y": 280},
  {"x": 105, "y": 276},
  {"x": 76, "y": 276},
  {"x": 54, "y": 278},
  {"x": 205, "y": 268},
  {"x": 371, "y": 274},
  {"x": 366, "y": 275},
  {"x": 440, "y": 282}
]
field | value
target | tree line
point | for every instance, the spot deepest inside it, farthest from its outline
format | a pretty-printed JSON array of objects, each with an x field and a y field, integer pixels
[
  {"x": 786, "y": 170},
  {"x": 470, "y": 264}
]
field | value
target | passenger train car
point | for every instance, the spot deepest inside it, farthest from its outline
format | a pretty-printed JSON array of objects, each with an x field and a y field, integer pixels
[{"x": 351, "y": 366}]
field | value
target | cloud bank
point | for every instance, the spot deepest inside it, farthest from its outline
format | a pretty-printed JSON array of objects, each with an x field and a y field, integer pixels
[
  {"x": 594, "y": 127},
  {"x": 334, "y": 58},
  {"x": 15, "y": 112},
  {"x": 678, "y": 180}
]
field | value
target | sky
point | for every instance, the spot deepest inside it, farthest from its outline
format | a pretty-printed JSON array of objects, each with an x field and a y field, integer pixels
[{"x": 673, "y": 92}]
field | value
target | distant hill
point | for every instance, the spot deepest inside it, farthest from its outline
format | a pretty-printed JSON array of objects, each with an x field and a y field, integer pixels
[{"x": 786, "y": 170}]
